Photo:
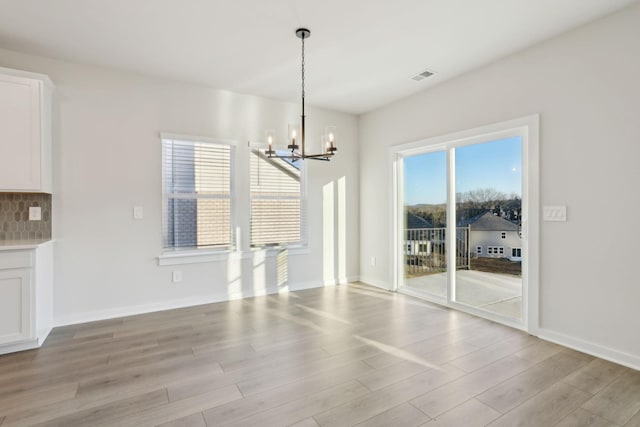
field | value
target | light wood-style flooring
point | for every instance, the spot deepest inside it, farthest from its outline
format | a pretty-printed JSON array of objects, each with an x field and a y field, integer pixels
[{"x": 349, "y": 355}]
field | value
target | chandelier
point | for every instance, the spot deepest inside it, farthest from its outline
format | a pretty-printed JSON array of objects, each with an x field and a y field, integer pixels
[{"x": 296, "y": 144}]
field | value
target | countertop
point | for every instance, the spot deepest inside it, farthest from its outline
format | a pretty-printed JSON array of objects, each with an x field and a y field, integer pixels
[{"x": 12, "y": 245}]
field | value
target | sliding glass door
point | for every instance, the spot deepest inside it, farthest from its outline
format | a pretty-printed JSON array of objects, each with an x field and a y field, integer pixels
[
  {"x": 425, "y": 223},
  {"x": 461, "y": 223},
  {"x": 488, "y": 182}
]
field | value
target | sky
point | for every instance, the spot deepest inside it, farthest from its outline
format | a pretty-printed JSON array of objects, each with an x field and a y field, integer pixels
[{"x": 495, "y": 164}]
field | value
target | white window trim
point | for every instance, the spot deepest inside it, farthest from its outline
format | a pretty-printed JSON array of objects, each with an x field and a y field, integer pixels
[
  {"x": 503, "y": 235},
  {"x": 193, "y": 255},
  {"x": 303, "y": 245}
]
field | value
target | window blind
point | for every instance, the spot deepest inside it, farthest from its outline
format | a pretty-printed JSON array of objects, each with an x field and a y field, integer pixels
[
  {"x": 197, "y": 194},
  {"x": 277, "y": 216}
]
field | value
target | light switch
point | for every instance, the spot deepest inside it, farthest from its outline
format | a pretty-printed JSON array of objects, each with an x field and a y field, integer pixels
[
  {"x": 554, "y": 213},
  {"x": 138, "y": 212},
  {"x": 35, "y": 213}
]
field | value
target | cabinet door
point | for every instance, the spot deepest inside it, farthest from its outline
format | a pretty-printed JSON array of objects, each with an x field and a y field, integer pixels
[
  {"x": 15, "y": 305},
  {"x": 20, "y": 142}
]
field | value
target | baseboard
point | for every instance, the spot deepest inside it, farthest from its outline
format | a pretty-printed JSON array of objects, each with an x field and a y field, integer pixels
[
  {"x": 19, "y": 346},
  {"x": 94, "y": 316},
  {"x": 375, "y": 282},
  {"x": 597, "y": 350}
]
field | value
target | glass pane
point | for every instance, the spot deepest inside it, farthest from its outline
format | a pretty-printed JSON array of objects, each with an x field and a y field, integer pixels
[
  {"x": 197, "y": 223},
  {"x": 488, "y": 210},
  {"x": 425, "y": 220},
  {"x": 276, "y": 200}
]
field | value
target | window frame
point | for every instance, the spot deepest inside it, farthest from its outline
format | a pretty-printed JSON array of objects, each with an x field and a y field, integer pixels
[
  {"x": 171, "y": 255},
  {"x": 304, "y": 216}
]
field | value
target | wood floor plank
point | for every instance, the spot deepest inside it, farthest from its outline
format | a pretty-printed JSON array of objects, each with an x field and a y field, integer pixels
[
  {"x": 111, "y": 413},
  {"x": 595, "y": 376},
  {"x": 379, "y": 378},
  {"x": 179, "y": 409},
  {"x": 582, "y": 418},
  {"x": 35, "y": 397},
  {"x": 471, "y": 413},
  {"x": 634, "y": 421},
  {"x": 539, "y": 351},
  {"x": 376, "y": 402},
  {"x": 464, "y": 388},
  {"x": 273, "y": 397},
  {"x": 307, "y": 422},
  {"x": 307, "y": 405},
  {"x": 405, "y": 415},
  {"x": 193, "y": 420},
  {"x": 489, "y": 354},
  {"x": 619, "y": 401},
  {"x": 546, "y": 408},
  {"x": 523, "y": 386}
]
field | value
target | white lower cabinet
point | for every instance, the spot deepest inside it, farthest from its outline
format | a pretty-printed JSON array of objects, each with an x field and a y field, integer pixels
[
  {"x": 26, "y": 278},
  {"x": 15, "y": 300}
]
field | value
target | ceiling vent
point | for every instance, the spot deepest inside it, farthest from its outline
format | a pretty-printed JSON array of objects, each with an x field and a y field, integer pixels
[{"x": 423, "y": 75}]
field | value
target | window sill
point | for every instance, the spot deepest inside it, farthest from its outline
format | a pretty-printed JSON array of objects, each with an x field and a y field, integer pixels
[
  {"x": 203, "y": 255},
  {"x": 275, "y": 250},
  {"x": 196, "y": 257}
]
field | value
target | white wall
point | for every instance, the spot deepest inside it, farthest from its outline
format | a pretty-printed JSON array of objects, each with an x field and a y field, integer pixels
[
  {"x": 107, "y": 159},
  {"x": 586, "y": 87}
]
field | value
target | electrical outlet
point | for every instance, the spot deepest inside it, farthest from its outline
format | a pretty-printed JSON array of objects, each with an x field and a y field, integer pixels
[
  {"x": 373, "y": 261},
  {"x": 177, "y": 276},
  {"x": 35, "y": 213}
]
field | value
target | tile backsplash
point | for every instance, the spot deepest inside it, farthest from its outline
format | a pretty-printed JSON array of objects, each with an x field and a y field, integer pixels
[{"x": 14, "y": 216}]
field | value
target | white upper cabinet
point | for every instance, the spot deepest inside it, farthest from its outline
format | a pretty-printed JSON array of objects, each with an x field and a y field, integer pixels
[{"x": 25, "y": 131}]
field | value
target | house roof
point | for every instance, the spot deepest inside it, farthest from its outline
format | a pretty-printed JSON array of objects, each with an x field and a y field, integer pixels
[
  {"x": 489, "y": 222},
  {"x": 415, "y": 221}
]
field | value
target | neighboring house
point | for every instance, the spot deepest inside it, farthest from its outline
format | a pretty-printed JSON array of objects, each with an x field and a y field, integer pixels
[
  {"x": 494, "y": 237},
  {"x": 420, "y": 235}
]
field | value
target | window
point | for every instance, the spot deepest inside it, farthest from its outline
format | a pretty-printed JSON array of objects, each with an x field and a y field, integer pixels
[
  {"x": 277, "y": 202},
  {"x": 503, "y": 235},
  {"x": 197, "y": 193},
  {"x": 495, "y": 250},
  {"x": 479, "y": 250},
  {"x": 516, "y": 252}
]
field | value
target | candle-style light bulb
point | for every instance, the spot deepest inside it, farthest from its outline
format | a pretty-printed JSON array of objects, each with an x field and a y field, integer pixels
[{"x": 270, "y": 142}]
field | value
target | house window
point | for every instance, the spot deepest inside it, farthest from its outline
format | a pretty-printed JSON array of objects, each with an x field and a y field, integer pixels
[
  {"x": 479, "y": 250},
  {"x": 503, "y": 235},
  {"x": 495, "y": 250},
  {"x": 516, "y": 252},
  {"x": 277, "y": 201},
  {"x": 197, "y": 193}
]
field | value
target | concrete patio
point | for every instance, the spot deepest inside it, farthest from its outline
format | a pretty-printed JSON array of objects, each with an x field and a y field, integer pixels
[{"x": 498, "y": 293}]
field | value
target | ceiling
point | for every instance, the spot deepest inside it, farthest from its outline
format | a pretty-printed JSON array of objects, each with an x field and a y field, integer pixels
[{"x": 361, "y": 54}]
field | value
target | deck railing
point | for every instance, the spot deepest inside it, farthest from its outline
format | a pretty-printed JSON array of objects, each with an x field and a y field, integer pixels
[{"x": 425, "y": 250}]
